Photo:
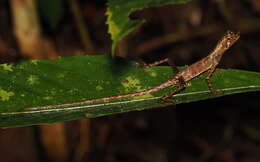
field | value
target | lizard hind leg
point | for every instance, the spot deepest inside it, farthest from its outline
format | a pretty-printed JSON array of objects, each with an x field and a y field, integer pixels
[
  {"x": 166, "y": 60},
  {"x": 143, "y": 65},
  {"x": 168, "y": 96}
]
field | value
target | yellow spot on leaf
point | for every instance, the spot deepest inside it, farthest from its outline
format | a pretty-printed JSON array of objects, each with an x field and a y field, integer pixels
[
  {"x": 7, "y": 67},
  {"x": 35, "y": 62},
  {"x": 47, "y": 97},
  {"x": 33, "y": 79},
  {"x": 99, "y": 88},
  {"x": 4, "y": 95},
  {"x": 131, "y": 84},
  {"x": 61, "y": 75},
  {"x": 151, "y": 72}
]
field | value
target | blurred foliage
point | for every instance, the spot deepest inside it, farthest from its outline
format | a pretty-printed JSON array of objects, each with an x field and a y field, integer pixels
[
  {"x": 52, "y": 12},
  {"x": 118, "y": 12}
]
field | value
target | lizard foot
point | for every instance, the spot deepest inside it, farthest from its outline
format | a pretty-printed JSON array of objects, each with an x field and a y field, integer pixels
[
  {"x": 168, "y": 99},
  {"x": 216, "y": 91}
]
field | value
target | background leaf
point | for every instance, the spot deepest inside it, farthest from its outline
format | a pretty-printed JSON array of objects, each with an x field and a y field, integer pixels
[
  {"x": 119, "y": 24},
  {"x": 71, "y": 79}
]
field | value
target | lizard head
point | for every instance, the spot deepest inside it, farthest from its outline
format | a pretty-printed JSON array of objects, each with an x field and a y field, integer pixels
[{"x": 229, "y": 39}]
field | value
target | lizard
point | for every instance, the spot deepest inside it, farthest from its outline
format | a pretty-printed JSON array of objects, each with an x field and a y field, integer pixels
[{"x": 180, "y": 79}]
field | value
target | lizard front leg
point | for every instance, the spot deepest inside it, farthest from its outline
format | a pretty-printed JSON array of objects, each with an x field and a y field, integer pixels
[{"x": 209, "y": 82}]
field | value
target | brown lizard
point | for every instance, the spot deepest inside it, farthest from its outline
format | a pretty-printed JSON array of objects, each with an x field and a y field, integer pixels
[{"x": 209, "y": 64}]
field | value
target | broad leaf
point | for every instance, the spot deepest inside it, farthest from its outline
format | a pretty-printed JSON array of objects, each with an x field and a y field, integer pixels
[
  {"x": 119, "y": 24},
  {"x": 72, "y": 79}
]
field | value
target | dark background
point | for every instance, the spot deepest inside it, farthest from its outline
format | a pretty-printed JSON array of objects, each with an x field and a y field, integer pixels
[{"x": 225, "y": 129}]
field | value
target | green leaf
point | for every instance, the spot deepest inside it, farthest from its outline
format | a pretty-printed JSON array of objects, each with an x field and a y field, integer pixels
[
  {"x": 119, "y": 24},
  {"x": 72, "y": 79},
  {"x": 52, "y": 11}
]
